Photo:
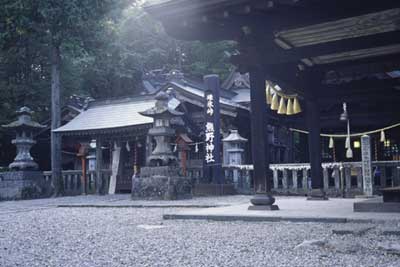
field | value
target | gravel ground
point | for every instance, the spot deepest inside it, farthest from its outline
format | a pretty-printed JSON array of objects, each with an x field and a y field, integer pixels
[{"x": 125, "y": 237}]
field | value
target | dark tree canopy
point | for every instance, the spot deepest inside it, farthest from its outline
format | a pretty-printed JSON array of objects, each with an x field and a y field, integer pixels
[{"x": 105, "y": 46}]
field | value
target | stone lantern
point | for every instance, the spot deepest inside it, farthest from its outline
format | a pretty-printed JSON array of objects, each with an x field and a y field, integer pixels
[
  {"x": 161, "y": 178},
  {"x": 23, "y": 180},
  {"x": 162, "y": 132},
  {"x": 24, "y": 128},
  {"x": 233, "y": 145}
]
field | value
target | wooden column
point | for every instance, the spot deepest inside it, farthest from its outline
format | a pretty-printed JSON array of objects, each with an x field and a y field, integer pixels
[
  {"x": 263, "y": 199},
  {"x": 149, "y": 148},
  {"x": 57, "y": 182},
  {"x": 99, "y": 163},
  {"x": 262, "y": 182},
  {"x": 382, "y": 168},
  {"x": 314, "y": 147}
]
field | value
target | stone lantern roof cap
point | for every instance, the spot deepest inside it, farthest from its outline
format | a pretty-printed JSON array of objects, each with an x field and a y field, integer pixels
[
  {"x": 234, "y": 136},
  {"x": 24, "y": 120},
  {"x": 161, "y": 107}
]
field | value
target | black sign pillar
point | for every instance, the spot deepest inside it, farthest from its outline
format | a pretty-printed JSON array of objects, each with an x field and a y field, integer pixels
[{"x": 212, "y": 141}]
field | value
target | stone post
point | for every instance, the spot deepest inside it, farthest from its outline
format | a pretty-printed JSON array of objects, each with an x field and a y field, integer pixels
[
  {"x": 294, "y": 178},
  {"x": 347, "y": 172},
  {"x": 275, "y": 178},
  {"x": 99, "y": 162},
  {"x": 326, "y": 178},
  {"x": 285, "y": 179},
  {"x": 360, "y": 178},
  {"x": 305, "y": 179},
  {"x": 336, "y": 176},
  {"x": 366, "y": 165}
]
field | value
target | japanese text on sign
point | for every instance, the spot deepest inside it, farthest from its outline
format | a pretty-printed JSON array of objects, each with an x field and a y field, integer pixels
[
  {"x": 209, "y": 142},
  {"x": 210, "y": 105}
]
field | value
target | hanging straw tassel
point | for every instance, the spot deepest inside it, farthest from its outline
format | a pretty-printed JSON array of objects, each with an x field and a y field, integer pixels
[
  {"x": 347, "y": 144},
  {"x": 196, "y": 148},
  {"x": 331, "y": 143},
  {"x": 383, "y": 138},
  {"x": 268, "y": 94},
  {"x": 289, "y": 110},
  {"x": 274, "y": 102},
  {"x": 128, "y": 148},
  {"x": 296, "y": 106},
  {"x": 349, "y": 153},
  {"x": 282, "y": 106}
]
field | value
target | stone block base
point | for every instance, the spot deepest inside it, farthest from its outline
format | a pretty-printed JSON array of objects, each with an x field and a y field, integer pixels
[
  {"x": 317, "y": 194},
  {"x": 22, "y": 185},
  {"x": 376, "y": 205},
  {"x": 391, "y": 194},
  {"x": 263, "y": 207},
  {"x": 161, "y": 188}
]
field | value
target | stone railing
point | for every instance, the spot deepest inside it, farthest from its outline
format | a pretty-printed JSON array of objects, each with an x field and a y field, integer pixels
[
  {"x": 194, "y": 169},
  {"x": 73, "y": 181},
  {"x": 339, "y": 178}
]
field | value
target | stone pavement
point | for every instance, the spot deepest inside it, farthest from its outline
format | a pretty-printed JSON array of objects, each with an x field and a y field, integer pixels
[
  {"x": 115, "y": 201},
  {"x": 295, "y": 209},
  {"x": 216, "y": 208}
]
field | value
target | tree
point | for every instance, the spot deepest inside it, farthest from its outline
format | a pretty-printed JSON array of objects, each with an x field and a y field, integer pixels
[{"x": 57, "y": 27}]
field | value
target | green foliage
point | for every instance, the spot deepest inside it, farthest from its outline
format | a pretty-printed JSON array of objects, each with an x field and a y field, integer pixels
[{"x": 105, "y": 47}]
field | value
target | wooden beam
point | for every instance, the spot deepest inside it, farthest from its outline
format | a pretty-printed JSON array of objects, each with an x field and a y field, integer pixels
[
  {"x": 285, "y": 17},
  {"x": 357, "y": 87},
  {"x": 335, "y": 47}
]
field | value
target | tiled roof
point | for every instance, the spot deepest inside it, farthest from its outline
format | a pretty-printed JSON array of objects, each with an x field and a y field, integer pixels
[{"x": 113, "y": 115}]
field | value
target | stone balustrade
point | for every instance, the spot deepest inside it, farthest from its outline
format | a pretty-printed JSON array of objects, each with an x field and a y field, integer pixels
[
  {"x": 73, "y": 181},
  {"x": 339, "y": 178}
]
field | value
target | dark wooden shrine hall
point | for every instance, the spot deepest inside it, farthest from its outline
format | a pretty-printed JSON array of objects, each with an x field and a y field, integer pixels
[{"x": 328, "y": 52}]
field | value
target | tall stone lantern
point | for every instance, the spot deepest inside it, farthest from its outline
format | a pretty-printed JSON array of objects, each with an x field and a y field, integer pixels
[
  {"x": 23, "y": 180},
  {"x": 162, "y": 177},
  {"x": 24, "y": 128},
  {"x": 162, "y": 132}
]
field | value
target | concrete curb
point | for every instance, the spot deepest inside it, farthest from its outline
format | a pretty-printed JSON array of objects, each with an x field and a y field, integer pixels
[
  {"x": 135, "y": 206},
  {"x": 230, "y": 218}
]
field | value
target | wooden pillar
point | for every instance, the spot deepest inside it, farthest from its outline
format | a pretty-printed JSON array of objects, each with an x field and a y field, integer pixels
[
  {"x": 99, "y": 163},
  {"x": 314, "y": 145},
  {"x": 57, "y": 182},
  {"x": 260, "y": 150},
  {"x": 149, "y": 147},
  {"x": 382, "y": 168}
]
